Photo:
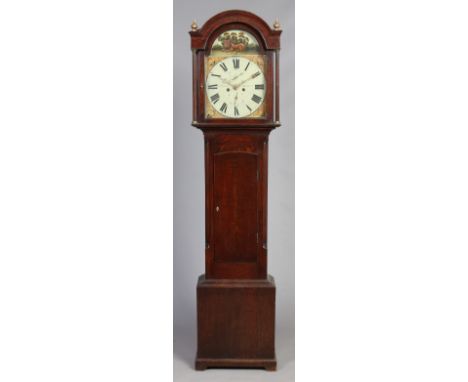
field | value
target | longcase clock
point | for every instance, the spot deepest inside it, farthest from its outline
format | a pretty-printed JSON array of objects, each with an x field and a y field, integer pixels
[{"x": 236, "y": 105}]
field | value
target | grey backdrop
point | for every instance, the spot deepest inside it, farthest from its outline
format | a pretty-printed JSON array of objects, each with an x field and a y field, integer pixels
[{"x": 189, "y": 199}]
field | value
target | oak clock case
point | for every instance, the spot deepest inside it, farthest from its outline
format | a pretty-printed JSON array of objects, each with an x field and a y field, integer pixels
[{"x": 235, "y": 104}]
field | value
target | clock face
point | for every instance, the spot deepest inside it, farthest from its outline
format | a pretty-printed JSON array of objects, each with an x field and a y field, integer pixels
[{"x": 235, "y": 87}]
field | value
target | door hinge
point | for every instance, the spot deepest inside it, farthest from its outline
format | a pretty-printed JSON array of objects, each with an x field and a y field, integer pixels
[
  {"x": 258, "y": 175},
  {"x": 257, "y": 237}
]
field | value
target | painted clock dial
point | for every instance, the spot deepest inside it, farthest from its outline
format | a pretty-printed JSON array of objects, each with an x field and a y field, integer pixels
[{"x": 235, "y": 87}]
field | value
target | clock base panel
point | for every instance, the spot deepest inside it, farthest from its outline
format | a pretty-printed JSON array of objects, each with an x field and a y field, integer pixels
[{"x": 236, "y": 323}]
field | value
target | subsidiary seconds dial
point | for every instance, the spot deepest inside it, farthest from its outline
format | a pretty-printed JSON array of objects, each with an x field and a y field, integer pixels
[{"x": 236, "y": 87}]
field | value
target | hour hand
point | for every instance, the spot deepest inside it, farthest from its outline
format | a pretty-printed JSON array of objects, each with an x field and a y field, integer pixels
[
  {"x": 226, "y": 81},
  {"x": 234, "y": 78},
  {"x": 247, "y": 79}
]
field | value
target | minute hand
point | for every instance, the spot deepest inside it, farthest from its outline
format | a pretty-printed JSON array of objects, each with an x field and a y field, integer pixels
[{"x": 247, "y": 79}]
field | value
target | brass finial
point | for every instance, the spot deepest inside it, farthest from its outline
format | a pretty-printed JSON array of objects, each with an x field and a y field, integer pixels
[
  {"x": 194, "y": 26},
  {"x": 277, "y": 25}
]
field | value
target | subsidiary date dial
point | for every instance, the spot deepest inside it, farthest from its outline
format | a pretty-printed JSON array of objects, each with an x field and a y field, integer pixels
[{"x": 235, "y": 87}]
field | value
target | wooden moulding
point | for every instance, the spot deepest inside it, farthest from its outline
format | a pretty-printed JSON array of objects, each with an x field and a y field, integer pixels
[
  {"x": 236, "y": 323},
  {"x": 205, "y": 363},
  {"x": 270, "y": 37}
]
